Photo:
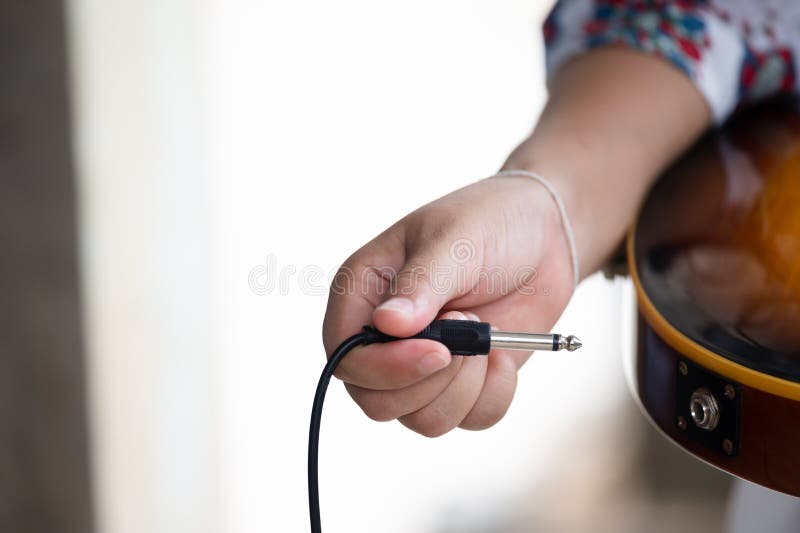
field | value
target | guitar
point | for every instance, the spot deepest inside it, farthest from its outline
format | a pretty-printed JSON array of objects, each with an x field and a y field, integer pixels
[{"x": 714, "y": 256}]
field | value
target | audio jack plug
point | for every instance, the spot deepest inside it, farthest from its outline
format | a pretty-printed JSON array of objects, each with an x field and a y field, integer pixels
[
  {"x": 467, "y": 337},
  {"x": 462, "y": 337}
]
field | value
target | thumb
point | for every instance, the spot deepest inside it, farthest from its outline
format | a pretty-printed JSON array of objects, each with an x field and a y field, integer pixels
[{"x": 432, "y": 276}]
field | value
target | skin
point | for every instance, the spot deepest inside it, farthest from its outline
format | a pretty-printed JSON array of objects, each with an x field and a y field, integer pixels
[{"x": 614, "y": 120}]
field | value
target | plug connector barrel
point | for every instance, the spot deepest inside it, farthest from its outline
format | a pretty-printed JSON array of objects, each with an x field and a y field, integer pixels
[
  {"x": 467, "y": 337},
  {"x": 511, "y": 340}
]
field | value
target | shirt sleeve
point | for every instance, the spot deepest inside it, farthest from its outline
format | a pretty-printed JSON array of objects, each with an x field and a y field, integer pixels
[{"x": 738, "y": 53}]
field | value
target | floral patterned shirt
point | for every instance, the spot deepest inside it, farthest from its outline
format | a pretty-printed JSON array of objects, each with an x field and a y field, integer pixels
[{"x": 735, "y": 51}]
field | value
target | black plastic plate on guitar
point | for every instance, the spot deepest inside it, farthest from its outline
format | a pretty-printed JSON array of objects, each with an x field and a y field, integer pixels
[{"x": 728, "y": 395}]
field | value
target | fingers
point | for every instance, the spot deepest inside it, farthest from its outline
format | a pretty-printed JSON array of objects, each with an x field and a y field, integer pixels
[
  {"x": 360, "y": 285},
  {"x": 409, "y": 300},
  {"x": 420, "y": 290},
  {"x": 437, "y": 411},
  {"x": 358, "y": 288},
  {"x": 477, "y": 398},
  {"x": 416, "y": 380},
  {"x": 448, "y": 409},
  {"x": 496, "y": 394},
  {"x": 494, "y": 399},
  {"x": 385, "y": 405},
  {"x": 393, "y": 365}
]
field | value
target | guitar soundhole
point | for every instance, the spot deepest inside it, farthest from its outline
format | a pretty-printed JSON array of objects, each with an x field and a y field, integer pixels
[{"x": 707, "y": 408}]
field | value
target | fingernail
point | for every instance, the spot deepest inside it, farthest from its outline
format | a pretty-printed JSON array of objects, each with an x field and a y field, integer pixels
[
  {"x": 398, "y": 305},
  {"x": 431, "y": 362}
]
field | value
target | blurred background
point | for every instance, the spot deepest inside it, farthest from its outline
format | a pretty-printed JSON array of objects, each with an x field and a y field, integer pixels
[{"x": 179, "y": 181}]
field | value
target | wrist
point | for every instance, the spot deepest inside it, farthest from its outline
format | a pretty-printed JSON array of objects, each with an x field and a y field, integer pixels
[
  {"x": 559, "y": 221},
  {"x": 583, "y": 193},
  {"x": 578, "y": 215}
]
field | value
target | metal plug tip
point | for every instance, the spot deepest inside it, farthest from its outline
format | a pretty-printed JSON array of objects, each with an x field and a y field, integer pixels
[{"x": 573, "y": 343}]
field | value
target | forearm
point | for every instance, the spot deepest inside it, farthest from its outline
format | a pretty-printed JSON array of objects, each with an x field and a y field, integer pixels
[{"x": 615, "y": 118}]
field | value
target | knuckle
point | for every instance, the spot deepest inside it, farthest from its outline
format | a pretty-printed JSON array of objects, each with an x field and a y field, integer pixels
[
  {"x": 341, "y": 374},
  {"x": 368, "y": 280},
  {"x": 436, "y": 224},
  {"x": 439, "y": 228},
  {"x": 376, "y": 405},
  {"x": 494, "y": 403},
  {"x": 485, "y": 418},
  {"x": 435, "y": 429},
  {"x": 344, "y": 280},
  {"x": 430, "y": 422},
  {"x": 413, "y": 274}
]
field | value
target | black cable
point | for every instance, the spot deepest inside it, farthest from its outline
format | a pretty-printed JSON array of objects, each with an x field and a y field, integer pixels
[
  {"x": 462, "y": 337},
  {"x": 316, "y": 418}
]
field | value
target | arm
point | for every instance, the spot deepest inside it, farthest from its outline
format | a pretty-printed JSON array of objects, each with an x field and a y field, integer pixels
[{"x": 614, "y": 120}]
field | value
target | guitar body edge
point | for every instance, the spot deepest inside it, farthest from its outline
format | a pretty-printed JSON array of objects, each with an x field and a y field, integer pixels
[{"x": 756, "y": 436}]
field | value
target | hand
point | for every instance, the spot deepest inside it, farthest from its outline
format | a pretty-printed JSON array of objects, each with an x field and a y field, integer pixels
[{"x": 495, "y": 250}]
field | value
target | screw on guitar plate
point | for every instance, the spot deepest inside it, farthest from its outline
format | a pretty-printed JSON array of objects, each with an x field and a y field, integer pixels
[
  {"x": 730, "y": 392},
  {"x": 727, "y": 446},
  {"x": 682, "y": 368},
  {"x": 682, "y": 423}
]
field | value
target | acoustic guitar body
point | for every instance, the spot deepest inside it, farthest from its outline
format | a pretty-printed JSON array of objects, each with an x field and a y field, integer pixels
[{"x": 715, "y": 260}]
